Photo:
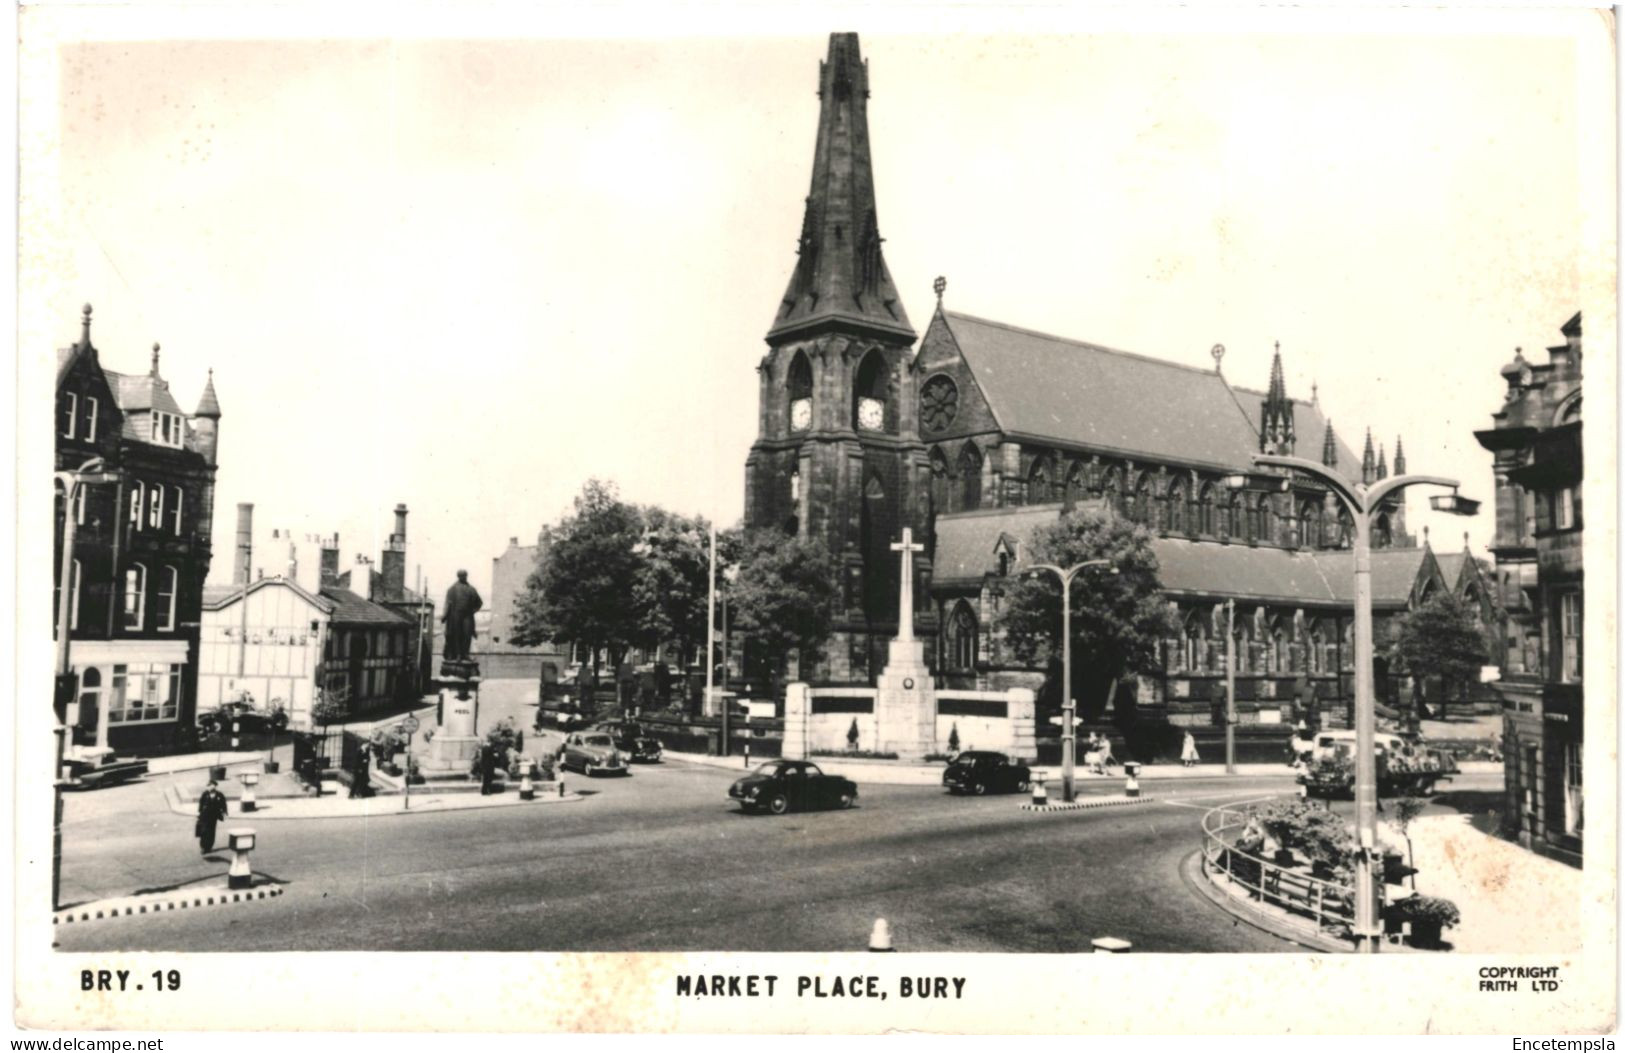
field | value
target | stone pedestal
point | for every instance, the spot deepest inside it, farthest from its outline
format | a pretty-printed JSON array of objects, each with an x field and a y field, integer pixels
[
  {"x": 906, "y": 703},
  {"x": 456, "y": 742}
]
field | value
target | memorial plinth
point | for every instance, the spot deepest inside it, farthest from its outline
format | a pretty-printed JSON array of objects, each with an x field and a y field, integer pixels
[
  {"x": 456, "y": 740},
  {"x": 905, "y": 698}
]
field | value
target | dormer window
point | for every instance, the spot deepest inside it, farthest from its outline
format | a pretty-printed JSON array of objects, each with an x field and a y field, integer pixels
[{"x": 166, "y": 429}]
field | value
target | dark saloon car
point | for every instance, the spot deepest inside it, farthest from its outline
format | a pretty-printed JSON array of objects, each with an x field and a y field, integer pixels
[
  {"x": 979, "y": 772},
  {"x": 249, "y": 719},
  {"x": 780, "y": 785},
  {"x": 630, "y": 738}
]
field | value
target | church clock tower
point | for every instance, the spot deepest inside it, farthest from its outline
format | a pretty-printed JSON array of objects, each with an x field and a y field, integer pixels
[{"x": 837, "y": 458}]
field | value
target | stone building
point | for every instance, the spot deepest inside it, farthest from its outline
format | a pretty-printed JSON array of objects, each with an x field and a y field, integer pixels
[
  {"x": 989, "y": 429},
  {"x": 141, "y": 548},
  {"x": 494, "y": 649},
  {"x": 1539, "y": 530}
]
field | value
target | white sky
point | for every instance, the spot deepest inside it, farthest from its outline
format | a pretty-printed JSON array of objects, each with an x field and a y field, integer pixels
[{"x": 468, "y": 276}]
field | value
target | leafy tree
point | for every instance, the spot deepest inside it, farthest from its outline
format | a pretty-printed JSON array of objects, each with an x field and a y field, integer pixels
[
  {"x": 1118, "y": 620},
  {"x": 784, "y": 596},
  {"x": 673, "y": 581},
  {"x": 587, "y": 571},
  {"x": 1441, "y": 638}
]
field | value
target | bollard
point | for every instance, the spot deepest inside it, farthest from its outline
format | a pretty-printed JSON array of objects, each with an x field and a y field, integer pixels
[
  {"x": 561, "y": 787},
  {"x": 241, "y": 842},
  {"x": 1111, "y": 945},
  {"x": 880, "y": 937},
  {"x": 1131, "y": 786},
  {"x": 249, "y": 779},
  {"x": 1040, "y": 794},
  {"x": 527, "y": 789}
]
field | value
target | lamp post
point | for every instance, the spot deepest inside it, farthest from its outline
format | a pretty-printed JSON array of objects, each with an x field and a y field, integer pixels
[
  {"x": 72, "y": 482},
  {"x": 1230, "y": 687},
  {"x": 1069, "y": 734},
  {"x": 1362, "y": 503}
]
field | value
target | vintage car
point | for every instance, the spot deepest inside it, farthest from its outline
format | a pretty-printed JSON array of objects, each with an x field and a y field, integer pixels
[
  {"x": 780, "y": 785},
  {"x": 92, "y": 768},
  {"x": 250, "y": 719},
  {"x": 631, "y": 739},
  {"x": 1405, "y": 767},
  {"x": 982, "y": 771},
  {"x": 592, "y": 753}
]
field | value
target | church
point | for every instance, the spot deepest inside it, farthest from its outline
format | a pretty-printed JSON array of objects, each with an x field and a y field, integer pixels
[{"x": 980, "y": 432}]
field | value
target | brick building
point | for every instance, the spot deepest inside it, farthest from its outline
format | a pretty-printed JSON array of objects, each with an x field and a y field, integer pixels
[
  {"x": 141, "y": 548},
  {"x": 1539, "y": 529},
  {"x": 494, "y": 649},
  {"x": 990, "y": 429}
]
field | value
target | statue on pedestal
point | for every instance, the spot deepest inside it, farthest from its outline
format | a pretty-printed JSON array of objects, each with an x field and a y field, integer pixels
[{"x": 462, "y": 602}]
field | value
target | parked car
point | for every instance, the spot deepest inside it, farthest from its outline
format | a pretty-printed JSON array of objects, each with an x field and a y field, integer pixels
[
  {"x": 1404, "y": 767},
  {"x": 780, "y": 785},
  {"x": 631, "y": 739},
  {"x": 982, "y": 771},
  {"x": 93, "y": 768},
  {"x": 592, "y": 753},
  {"x": 249, "y": 718}
]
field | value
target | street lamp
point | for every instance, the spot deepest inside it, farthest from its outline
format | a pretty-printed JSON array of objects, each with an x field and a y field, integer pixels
[
  {"x": 1069, "y": 733},
  {"x": 1362, "y": 503},
  {"x": 88, "y": 474}
]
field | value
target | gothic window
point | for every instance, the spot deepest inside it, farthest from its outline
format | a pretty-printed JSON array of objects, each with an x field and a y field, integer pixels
[
  {"x": 962, "y": 631},
  {"x": 1176, "y": 508},
  {"x": 1111, "y": 489},
  {"x": 1074, "y": 483},
  {"x": 1382, "y": 534},
  {"x": 871, "y": 402},
  {"x": 1206, "y": 521},
  {"x": 1266, "y": 519},
  {"x": 1280, "y": 652},
  {"x": 970, "y": 479},
  {"x": 800, "y": 387},
  {"x": 1317, "y": 650},
  {"x": 939, "y": 482},
  {"x": 1038, "y": 486},
  {"x": 939, "y": 402},
  {"x": 1345, "y": 528},
  {"x": 1141, "y": 511},
  {"x": 1309, "y": 519}
]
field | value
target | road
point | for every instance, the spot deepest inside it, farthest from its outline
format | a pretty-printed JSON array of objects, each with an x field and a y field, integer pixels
[{"x": 662, "y": 861}]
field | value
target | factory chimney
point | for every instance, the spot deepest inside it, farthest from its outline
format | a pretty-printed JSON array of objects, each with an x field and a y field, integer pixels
[
  {"x": 245, "y": 543},
  {"x": 330, "y": 562},
  {"x": 392, "y": 565}
]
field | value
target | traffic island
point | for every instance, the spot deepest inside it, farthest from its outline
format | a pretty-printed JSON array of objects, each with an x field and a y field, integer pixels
[
  {"x": 1085, "y": 803},
  {"x": 215, "y": 893},
  {"x": 338, "y": 806}
]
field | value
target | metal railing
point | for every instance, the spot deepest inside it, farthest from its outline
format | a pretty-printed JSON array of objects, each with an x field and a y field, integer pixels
[{"x": 1327, "y": 904}]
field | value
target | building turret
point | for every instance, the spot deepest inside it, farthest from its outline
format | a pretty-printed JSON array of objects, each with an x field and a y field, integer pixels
[
  {"x": 1368, "y": 461},
  {"x": 1328, "y": 447},
  {"x": 1399, "y": 455},
  {"x": 1382, "y": 461},
  {"x": 206, "y": 420},
  {"x": 1276, "y": 433}
]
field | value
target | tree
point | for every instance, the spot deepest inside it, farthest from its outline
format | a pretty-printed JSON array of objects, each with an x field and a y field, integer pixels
[
  {"x": 670, "y": 596},
  {"x": 1441, "y": 639},
  {"x": 784, "y": 596},
  {"x": 1118, "y": 620},
  {"x": 587, "y": 573}
]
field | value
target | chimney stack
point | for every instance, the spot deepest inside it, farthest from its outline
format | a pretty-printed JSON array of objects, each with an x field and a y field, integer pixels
[
  {"x": 392, "y": 567},
  {"x": 329, "y": 562},
  {"x": 245, "y": 543}
]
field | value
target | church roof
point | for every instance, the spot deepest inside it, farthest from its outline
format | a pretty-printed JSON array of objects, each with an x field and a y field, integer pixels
[
  {"x": 1051, "y": 388},
  {"x": 841, "y": 278},
  {"x": 966, "y": 541}
]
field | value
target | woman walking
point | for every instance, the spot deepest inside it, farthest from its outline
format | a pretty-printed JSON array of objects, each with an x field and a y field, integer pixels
[
  {"x": 1187, "y": 753},
  {"x": 211, "y": 809}
]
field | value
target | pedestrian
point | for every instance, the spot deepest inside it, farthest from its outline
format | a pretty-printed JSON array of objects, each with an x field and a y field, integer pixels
[
  {"x": 361, "y": 774},
  {"x": 211, "y": 809},
  {"x": 1187, "y": 753},
  {"x": 488, "y": 769}
]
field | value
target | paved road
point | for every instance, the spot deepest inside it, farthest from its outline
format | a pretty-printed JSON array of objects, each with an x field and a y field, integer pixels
[{"x": 661, "y": 861}]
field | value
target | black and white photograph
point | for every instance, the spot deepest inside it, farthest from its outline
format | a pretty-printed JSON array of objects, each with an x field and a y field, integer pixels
[{"x": 776, "y": 518}]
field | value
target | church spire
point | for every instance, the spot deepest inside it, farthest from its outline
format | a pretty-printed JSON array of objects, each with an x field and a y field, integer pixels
[
  {"x": 841, "y": 276},
  {"x": 1328, "y": 447},
  {"x": 1399, "y": 455},
  {"x": 1275, "y": 432},
  {"x": 1382, "y": 461},
  {"x": 1368, "y": 461}
]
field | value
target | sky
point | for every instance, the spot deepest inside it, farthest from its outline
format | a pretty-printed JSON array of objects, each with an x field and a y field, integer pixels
[{"x": 468, "y": 275}]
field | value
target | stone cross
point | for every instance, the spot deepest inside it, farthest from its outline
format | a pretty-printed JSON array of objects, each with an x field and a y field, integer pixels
[{"x": 905, "y": 602}]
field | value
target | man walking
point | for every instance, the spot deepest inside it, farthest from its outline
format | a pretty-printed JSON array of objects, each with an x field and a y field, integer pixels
[{"x": 211, "y": 810}]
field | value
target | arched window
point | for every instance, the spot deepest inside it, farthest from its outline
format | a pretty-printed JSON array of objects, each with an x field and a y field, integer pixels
[
  {"x": 1196, "y": 656},
  {"x": 961, "y": 639},
  {"x": 1142, "y": 511},
  {"x": 1280, "y": 652},
  {"x": 970, "y": 479},
  {"x": 1038, "y": 485},
  {"x": 135, "y": 597},
  {"x": 1074, "y": 483},
  {"x": 1176, "y": 508},
  {"x": 1111, "y": 489},
  {"x": 871, "y": 395},
  {"x": 155, "y": 506},
  {"x": 1382, "y": 533},
  {"x": 1244, "y": 645},
  {"x": 169, "y": 587},
  {"x": 939, "y": 481},
  {"x": 90, "y": 698},
  {"x": 1309, "y": 521},
  {"x": 1345, "y": 528},
  {"x": 1317, "y": 650},
  {"x": 177, "y": 500},
  {"x": 798, "y": 387},
  {"x": 1266, "y": 519},
  {"x": 137, "y": 491},
  {"x": 1206, "y": 517}
]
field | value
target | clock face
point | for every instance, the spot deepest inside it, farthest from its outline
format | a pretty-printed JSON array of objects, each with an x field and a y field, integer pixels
[
  {"x": 871, "y": 414},
  {"x": 801, "y": 414},
  {"x": 939, "y": 402}
]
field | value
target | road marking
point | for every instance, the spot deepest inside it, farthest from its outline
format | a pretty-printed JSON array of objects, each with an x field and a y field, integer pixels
[{"x": 1232, "y": 804}]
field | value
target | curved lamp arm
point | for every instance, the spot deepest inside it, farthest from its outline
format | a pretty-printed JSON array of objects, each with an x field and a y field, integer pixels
[
  {"x": 1333, "y": 481},
  {"x": 1387, "y": 486}
]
